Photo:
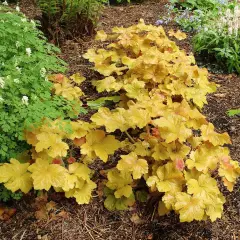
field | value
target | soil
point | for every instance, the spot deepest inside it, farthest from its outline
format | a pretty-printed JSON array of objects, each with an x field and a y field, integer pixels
[{"x": 93, "y": 221}]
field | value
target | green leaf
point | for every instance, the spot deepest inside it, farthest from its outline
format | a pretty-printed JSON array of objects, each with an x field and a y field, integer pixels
[{"x": 100, "y": 102}]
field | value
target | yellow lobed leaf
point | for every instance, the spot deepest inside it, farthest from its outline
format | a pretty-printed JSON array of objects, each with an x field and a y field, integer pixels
[
  {"x": 52, "y": 143},
  {"x": 206, "y": 157},
  {"x": 118, "y": 179},
  {"x": 137, "y": 117},
  {"x": 230, "y": 170},
  {"x": 46, "y": 175},
  {"x": 133, "y": 164},
  {"x": 79, "y": 129},
  {"x": 15, "y": 176},
  {"x": 168, "y": 179},
  {"x": 108, "y": 84},
  {"x": 80, "y": 170},
  {"x": 177, "y": 150},
  {"x": 100, "y": 145},
  {"x": 142, "y": 148},
  {"x": 70, "y": 182},
  {"x": 68, "y": 91},
  {"x": 215, "y": 210},
  {"x": 112, "y": 120},
  {"x": 160, "y": 152},
  {"x": 101, "y": 36},
  {"x": 179, "y": 35},
  {"x": 169, "y": 200},
  {"x": 77, "y": 78},
  {"x": 208, "y": 134},
  {"x": 136, "y": 89},
  {"x": 125, "y": 191},
  {"x": 190, "y": 207},
  {"x": 84, "y": 194},
  {"x": 172, "y": 127},
  {"x": 204, "y": 187}
]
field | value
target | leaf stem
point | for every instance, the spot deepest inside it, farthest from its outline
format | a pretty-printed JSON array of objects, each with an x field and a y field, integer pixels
[{"x": 129, "y": 136}]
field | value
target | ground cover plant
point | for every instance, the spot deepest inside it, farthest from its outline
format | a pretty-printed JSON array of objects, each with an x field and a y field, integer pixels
[{"x": 164, "y": 140}]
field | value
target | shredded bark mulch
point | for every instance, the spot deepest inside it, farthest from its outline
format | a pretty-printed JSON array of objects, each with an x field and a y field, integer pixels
[{"x": 93, "y": 221}]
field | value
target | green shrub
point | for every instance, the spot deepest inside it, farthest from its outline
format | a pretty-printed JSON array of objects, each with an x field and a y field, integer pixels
[
  {"x": 25, "y": 93},
  {"x": 69, "y": 18},
  {"x": 221, "y": 42},
  {"x": 198, "y": 4}
]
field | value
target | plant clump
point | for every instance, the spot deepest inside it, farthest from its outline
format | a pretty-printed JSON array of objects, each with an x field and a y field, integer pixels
[{"x": 157, "y": 127}]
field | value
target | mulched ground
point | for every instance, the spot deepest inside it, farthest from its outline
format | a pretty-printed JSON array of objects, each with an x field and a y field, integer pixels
[{"x": 93, "y": 222}]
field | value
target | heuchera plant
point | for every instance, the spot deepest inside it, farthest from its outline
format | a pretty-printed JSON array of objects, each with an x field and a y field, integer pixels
[{"x": 165, "y": 140}]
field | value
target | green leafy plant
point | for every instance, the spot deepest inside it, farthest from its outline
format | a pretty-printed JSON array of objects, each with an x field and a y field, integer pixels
[
  {"x": 198, "y": 4},
  {"x": 25, "y": 92},
  {"x": 192, "y": 18},
  {"x": 221, "y": 42},
  {"x": 69, "y": 18},
  {"x": 6, "y": 195},
  {"x": 233, "y": 112}
]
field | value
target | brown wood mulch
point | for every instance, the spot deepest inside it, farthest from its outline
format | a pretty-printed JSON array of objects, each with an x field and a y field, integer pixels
[{"x": 93, "y": 222}]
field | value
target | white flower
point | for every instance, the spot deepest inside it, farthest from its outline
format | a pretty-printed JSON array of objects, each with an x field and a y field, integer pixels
[
  {"x": 228, "y": 13},
  {"x": 25, "y": 100},
  {"x": 230, "y": 31},
  {"x": 43, "y": 72},
  {"x": 19, "y": 69},
  {"x": 28, "y": 51},
  {"x": 1, "y": 99},
  {"x": 33, "y": 23},
  {"x": 2, "y": 82},
  {"x": 236, "y": 9},
  {"x": 23, "y": 19},
  {"x": 5, "y": 3},
  {"x": 16, "y": 80},
  {"x": 17, "y": 8},
  {"x": 17, "y": 44}
]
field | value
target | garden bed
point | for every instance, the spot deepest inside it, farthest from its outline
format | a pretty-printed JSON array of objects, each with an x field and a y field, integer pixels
[{"x": 93, "y": 221}]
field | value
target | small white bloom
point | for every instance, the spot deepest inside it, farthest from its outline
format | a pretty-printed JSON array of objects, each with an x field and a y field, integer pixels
[
  {"x": 230, "y": 31},
  {"x": 1, "y": 99},
  {"x": 33, "y": 23},
  {"x": 16, "y": 80},
  {"x": 2, "y": 82},
  {"x": 23, "y": 19},
  {"x": 236, "y": 9},
  {"x": 43, "y": 72},
  {"x": 28, "y": 51},
  {"x": 17, "y": 8},
  {"x": 17, "y": 44},
  {"x": 19, "y": 69},
  {"x": 228, "y": 13},
  {"x": 5, "y": 3},
  {"x": 25, "y": 100}
]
